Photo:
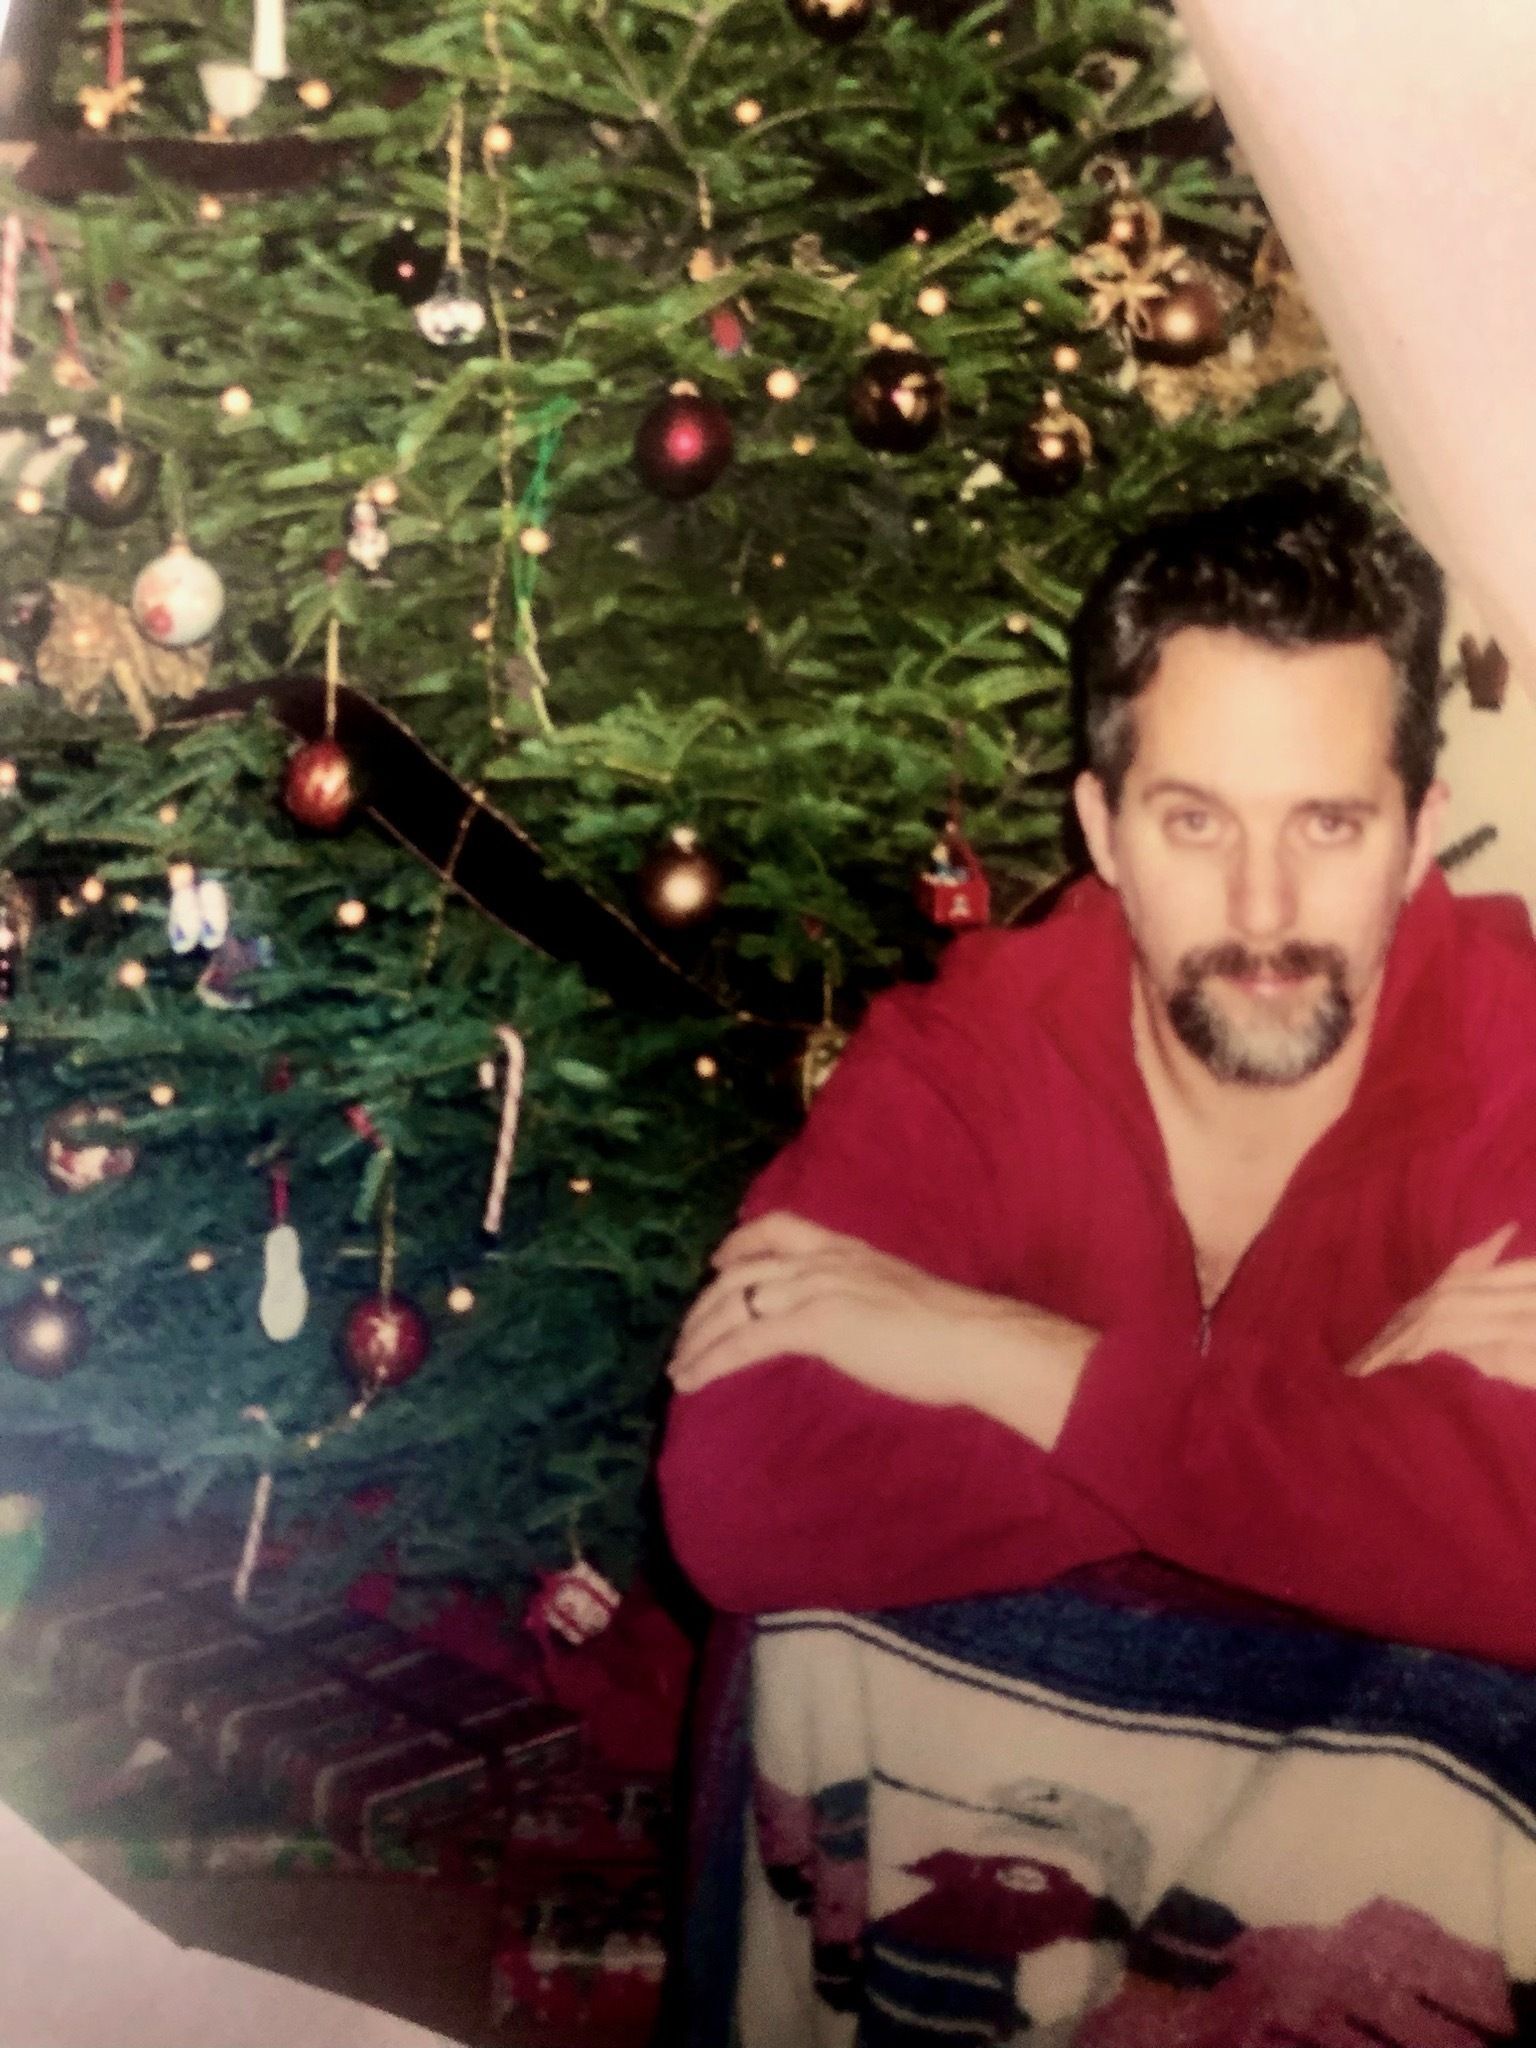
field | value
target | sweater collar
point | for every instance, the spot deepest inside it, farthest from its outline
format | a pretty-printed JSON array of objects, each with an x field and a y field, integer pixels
[{"x": 1415, "y": 1084}]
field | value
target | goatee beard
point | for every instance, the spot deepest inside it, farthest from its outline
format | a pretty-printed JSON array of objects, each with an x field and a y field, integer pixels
[{"x": 1258, "y": 1056}]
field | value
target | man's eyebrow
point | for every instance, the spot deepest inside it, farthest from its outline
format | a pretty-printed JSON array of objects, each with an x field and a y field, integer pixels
[
  {"x": 1168, "y": 786},
  {"x": 1351, "y": 806}
]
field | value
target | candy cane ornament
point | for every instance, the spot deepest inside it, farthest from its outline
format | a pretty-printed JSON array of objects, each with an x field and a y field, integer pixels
[
  {"x": 269, "y": 40},
  {"x": 506, "y": 1137}
]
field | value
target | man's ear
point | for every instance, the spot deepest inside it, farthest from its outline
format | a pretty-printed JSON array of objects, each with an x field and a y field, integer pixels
[
  {"x": 1428, "y": 828},
  {"x": 1093, "y": 814}
]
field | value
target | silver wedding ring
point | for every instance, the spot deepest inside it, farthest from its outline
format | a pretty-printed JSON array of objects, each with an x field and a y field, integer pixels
[{"x": 749, "y": 1296}]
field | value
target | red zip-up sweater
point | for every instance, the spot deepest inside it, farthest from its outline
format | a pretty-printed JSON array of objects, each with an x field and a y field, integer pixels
[{"x": 993, "y": 1128}]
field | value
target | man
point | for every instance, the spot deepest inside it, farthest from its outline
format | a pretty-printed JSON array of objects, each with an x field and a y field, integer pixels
[{"x": 1195, "y": 1220}]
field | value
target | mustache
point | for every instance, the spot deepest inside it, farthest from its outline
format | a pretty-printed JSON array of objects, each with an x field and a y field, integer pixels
[{"x": 1296, "y": 960}]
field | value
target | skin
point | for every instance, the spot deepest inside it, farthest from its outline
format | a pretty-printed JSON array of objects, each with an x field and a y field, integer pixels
[{"x": 1261, "y": 810}]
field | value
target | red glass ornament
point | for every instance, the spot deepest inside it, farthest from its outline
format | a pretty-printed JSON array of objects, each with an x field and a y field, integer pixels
[
  {"x": 77, "y": 1163},
  {"x": 385, "y": 1340},
  {"x": 683, "y": 444},
  {"x": 319, "y": 789},
  {"x": 727, "y": 331}
]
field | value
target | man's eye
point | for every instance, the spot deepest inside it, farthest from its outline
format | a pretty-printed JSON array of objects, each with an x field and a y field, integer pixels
[
  {"x": 1191, "y": 824},
  {"x": 1333, "y": 828}
]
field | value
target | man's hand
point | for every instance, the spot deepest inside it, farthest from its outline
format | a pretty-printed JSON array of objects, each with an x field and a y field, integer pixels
[
  {"x": 1478, "y": 1310},
  {"x": 786, "y": 1285}
]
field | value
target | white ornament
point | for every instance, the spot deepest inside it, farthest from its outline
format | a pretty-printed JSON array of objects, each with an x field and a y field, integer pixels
[
  {"x": 213, "y": 900},
  {"x": 184, "y": 921},
  {"x": 232, "y": 90},
  {"x": 284, "y": 1294},
  {"x": 178, "y": 598},
  {"x": 453, "y": 316},
  {"x": 367, "y": 542}
]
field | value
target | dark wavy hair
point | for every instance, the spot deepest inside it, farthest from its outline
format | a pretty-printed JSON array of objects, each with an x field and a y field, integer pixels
[{"x": 1296, "y": 565}]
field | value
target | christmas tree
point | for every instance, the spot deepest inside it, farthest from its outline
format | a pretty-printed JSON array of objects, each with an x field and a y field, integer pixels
[{"x": 540, "y": 542}]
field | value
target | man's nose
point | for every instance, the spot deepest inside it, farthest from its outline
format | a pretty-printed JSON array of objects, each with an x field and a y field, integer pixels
[{"x": 1261, "y": 892}]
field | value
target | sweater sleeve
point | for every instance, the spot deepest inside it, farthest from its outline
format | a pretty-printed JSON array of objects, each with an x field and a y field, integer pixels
[
  {"x": 790, "y": 1484},
  {"x": 1403, "y": 1504}
]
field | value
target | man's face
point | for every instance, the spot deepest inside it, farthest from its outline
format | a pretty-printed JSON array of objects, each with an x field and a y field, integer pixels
[{"x": 1262, "y": 849}]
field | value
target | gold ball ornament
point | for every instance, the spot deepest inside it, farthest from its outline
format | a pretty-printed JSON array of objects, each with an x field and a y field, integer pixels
[
  {"x": 1050, "y": 454},
  {"x": 1133, "y": 227},
  {"x": 1182, "y": 327},
  {"x": 833, "y": 21},
  {"x": 47, "y": 1335},
  {"x": 75, "y": 1163},
  {"x": 315, "y": 94},
  {"x": 896, "y": 401},
  {"x": 679, "y": 884},
  {"x": 781, "y": 385}
]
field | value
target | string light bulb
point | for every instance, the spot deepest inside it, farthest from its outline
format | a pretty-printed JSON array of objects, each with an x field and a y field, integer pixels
[
  {"x": 498, "y": 139},
  {"x": 315, "y": 94},
  {"x": 162, "y": 1095},
  {"x": 22, "y": 1257},
  {"x": 93, "y": 889},
  {"x": 200, "y": 1261},
  {"x": 29, "y": 501},
  {"x": 236, "y": 401},
  {"x": 460, "y": 1300},
  {"x": 533, "y": 540},
  {"x": 352, "y": 913},
  {"x": 209, "y": 208},
  {"x": 781, "y": 385},
  {"x": 707, "y": 1067},
  {"x": 132, "y": 974}
]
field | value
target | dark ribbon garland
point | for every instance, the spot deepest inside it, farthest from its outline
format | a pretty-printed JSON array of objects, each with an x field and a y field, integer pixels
[{"x": 483, "y": 855}]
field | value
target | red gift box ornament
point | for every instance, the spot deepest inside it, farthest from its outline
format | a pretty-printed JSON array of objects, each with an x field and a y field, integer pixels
[
  {"x": 576, "y": 1604},
  {"x": 953, "y": 891}
]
